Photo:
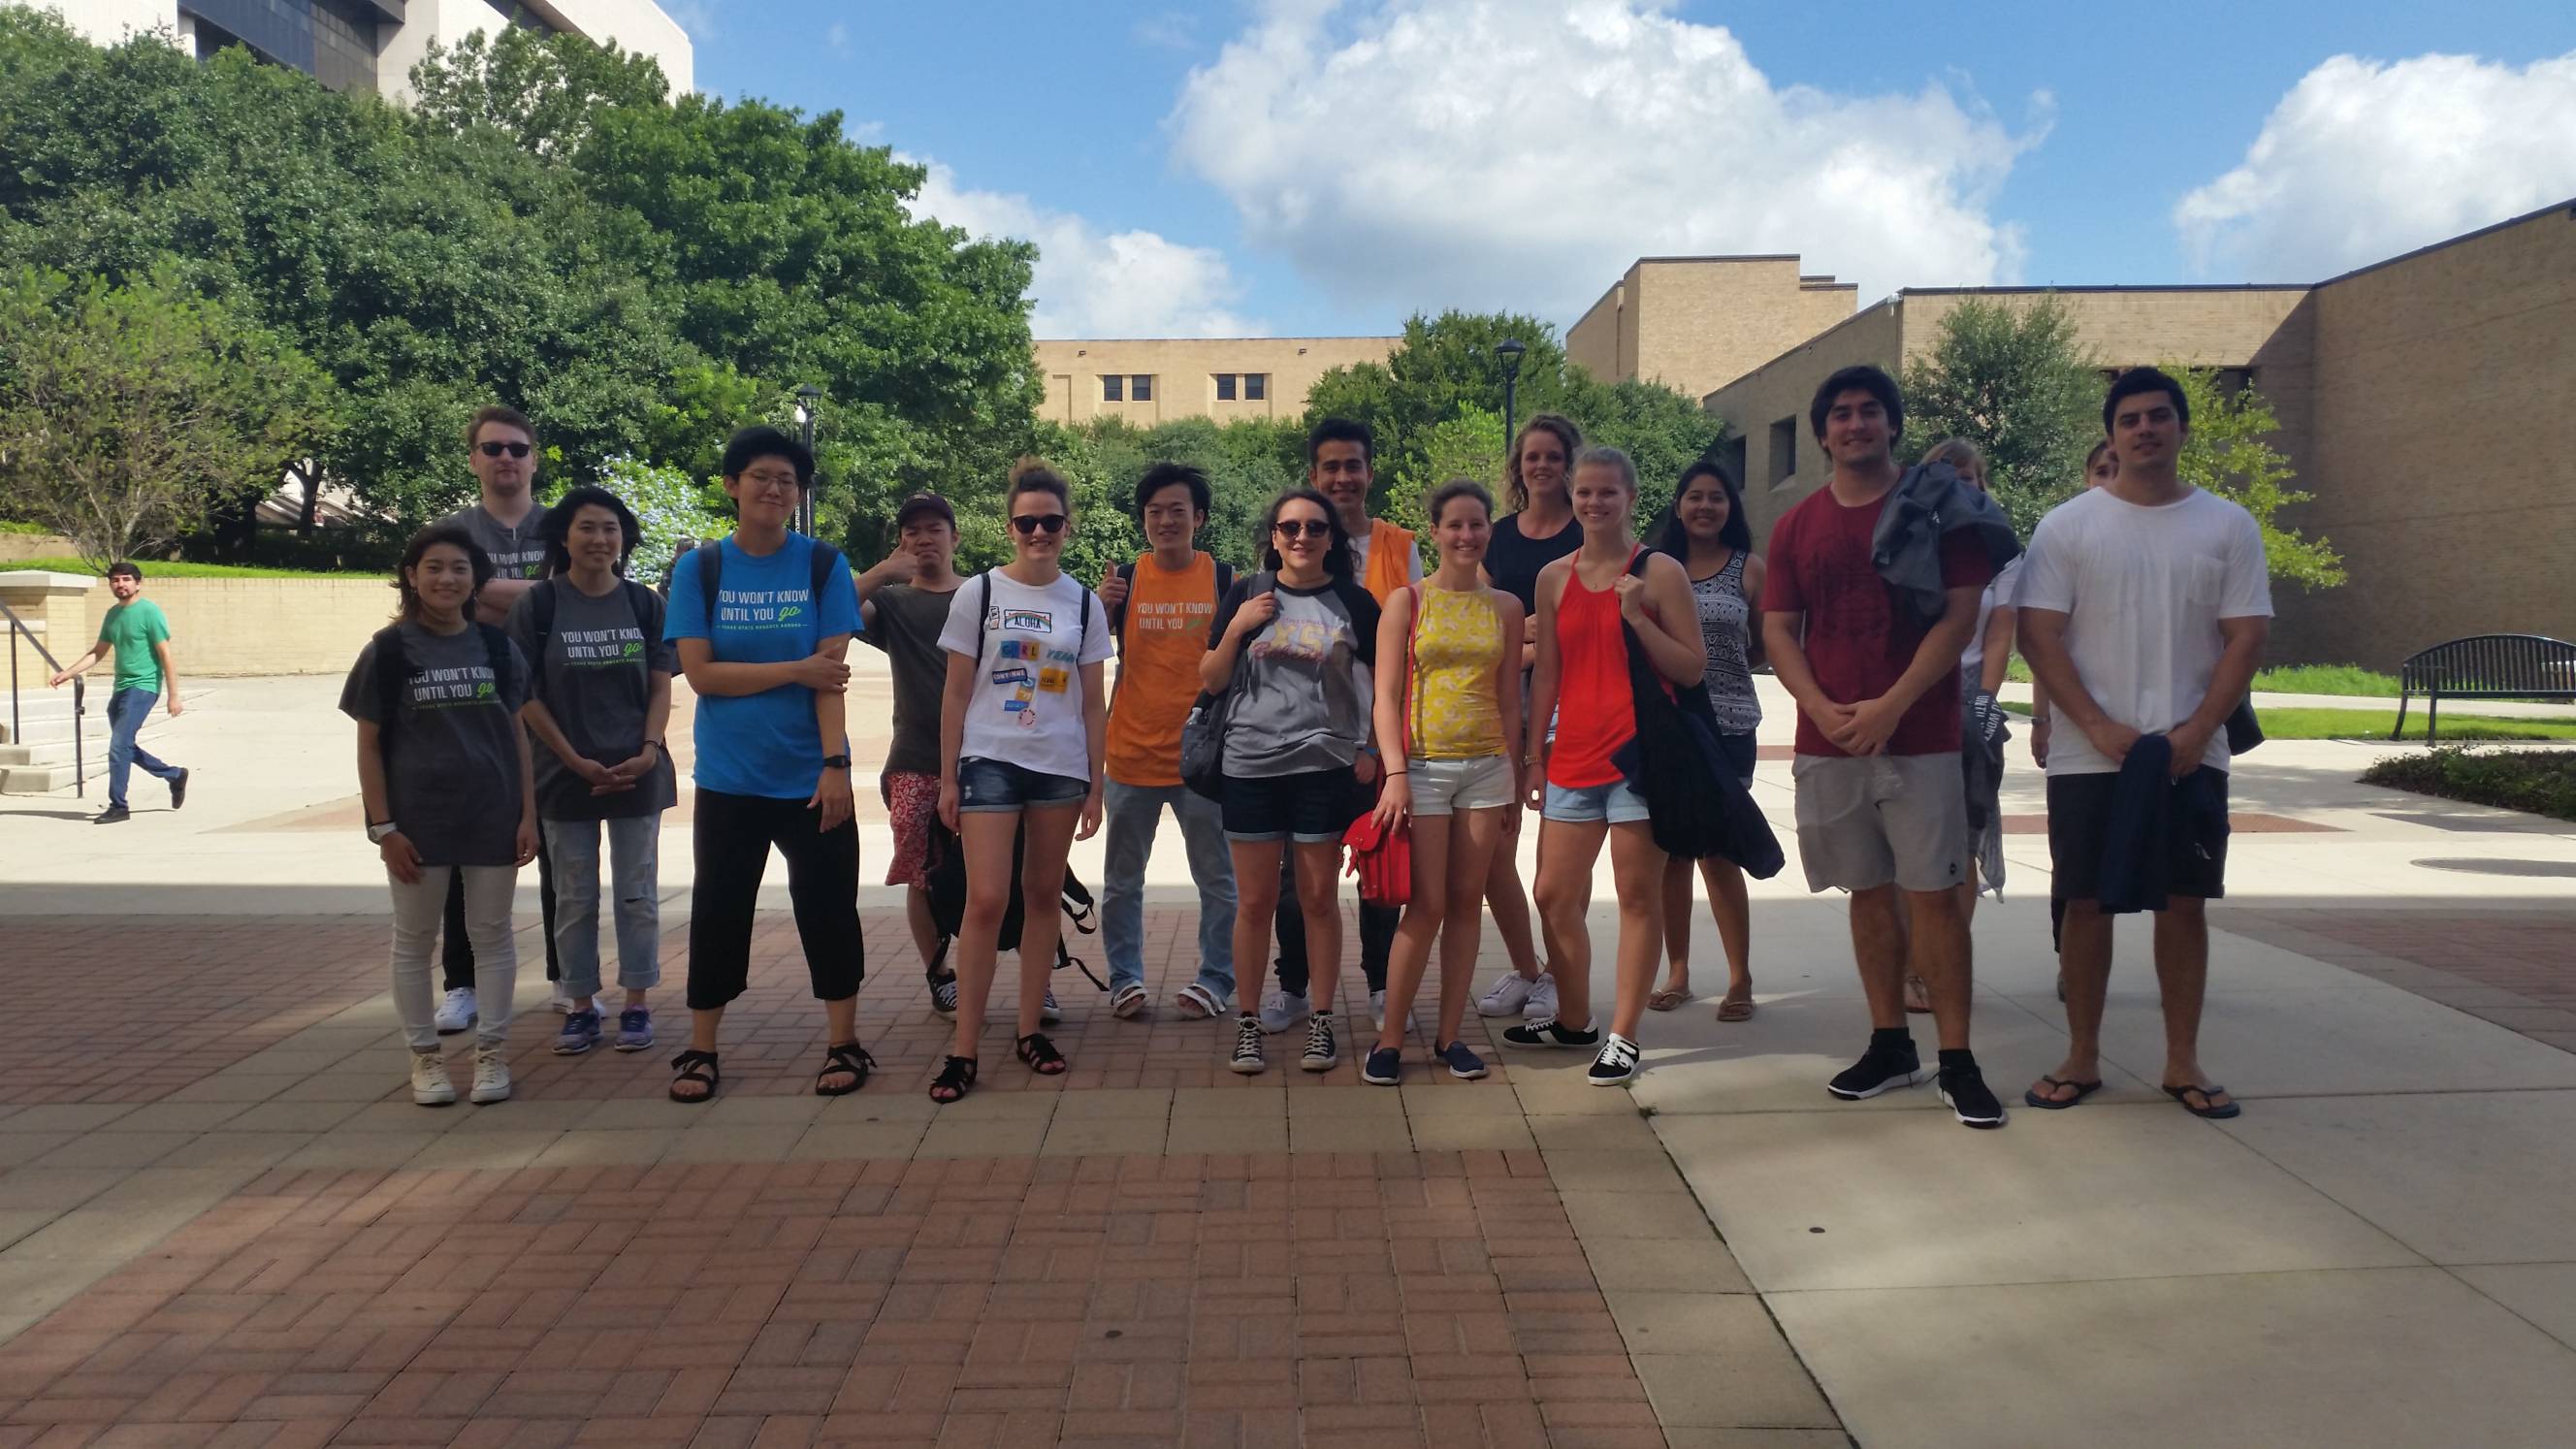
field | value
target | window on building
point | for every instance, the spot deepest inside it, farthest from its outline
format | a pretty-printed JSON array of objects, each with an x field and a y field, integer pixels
[
  {"x": 1141, "y": 387},
  {"x": 1256, "y": 386},
  {"x": 1113, "y": 387},
  {"x": 1225, "y": 387},
  {"x": 1784, "y": 450}
]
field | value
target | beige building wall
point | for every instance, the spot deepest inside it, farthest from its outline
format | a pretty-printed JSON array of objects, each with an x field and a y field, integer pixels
[
  {"x": 1765, "y": 411},
  {"x": 1185, "y": 371},
  {"x": 2439, "y": 459},
  {"x": 1699, "y": 323}
]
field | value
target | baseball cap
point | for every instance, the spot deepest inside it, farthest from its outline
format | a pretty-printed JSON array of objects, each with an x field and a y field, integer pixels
[{"x": 924, "y": 503}]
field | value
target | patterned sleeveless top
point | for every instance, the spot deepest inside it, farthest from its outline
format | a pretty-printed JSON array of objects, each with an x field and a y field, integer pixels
[
  {"x": 1723, "y": 619},
  {"x": 1457, "y": 642}
]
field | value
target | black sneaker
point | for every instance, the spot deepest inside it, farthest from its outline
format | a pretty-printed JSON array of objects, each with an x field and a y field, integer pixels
[
  {"x": 1321, "y": 1056},
  {"x": 943, "y": 997},
  {"x": 112, "y": 815},
  {"x": 1880, "y": 1069},
  {"x": 1247, "y": 1047},
  {"x": 1617, "y": 1063},
  {"x": 1463, "y": 1064},
  {"x": 1384, "y": 1067},
  {"x": 1551, "y": 1033},
  {"x": 179, "y": 792},
  {"x": 1964, "y": 1092}
]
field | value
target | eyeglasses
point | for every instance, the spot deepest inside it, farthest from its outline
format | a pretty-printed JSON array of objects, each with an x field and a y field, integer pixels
[
  {"x": 494, "y": 450},
  {"x": 773, "y": 480},
  {"x": 1302, "y": 527},
  {"x": 1030, "y": 524}
]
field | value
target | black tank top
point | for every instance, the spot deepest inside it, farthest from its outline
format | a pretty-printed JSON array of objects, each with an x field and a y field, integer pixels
[{"x": 1514, "y": 560}]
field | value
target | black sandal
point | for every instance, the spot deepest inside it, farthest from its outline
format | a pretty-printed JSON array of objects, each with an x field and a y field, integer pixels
[
  {"x": 1040, "y": 1055},
  {"x": 956, "y": 1078},
  {"x": 688, "y": 1063},
  {"x": 849, "y": 1057},
  {"x": 2210, "y": 1109}
]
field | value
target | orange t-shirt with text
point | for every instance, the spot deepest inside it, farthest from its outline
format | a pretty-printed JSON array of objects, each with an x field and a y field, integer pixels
[{"x": 1162, "y": 633}]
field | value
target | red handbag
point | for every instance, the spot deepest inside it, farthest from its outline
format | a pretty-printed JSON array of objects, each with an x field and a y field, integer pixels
[{"x": 1383, "y": 858}]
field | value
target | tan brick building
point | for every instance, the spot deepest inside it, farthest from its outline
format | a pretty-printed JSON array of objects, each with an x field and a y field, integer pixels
[
  {"x": 1155, "y": 379},
  {"x": 2420, "y": 401},
  {"x": 1697, "y": 323}
]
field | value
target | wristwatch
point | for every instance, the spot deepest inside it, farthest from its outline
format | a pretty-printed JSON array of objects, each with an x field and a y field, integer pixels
[
  {"x": 836, "y": 762},
  {"x": 379, "y": 829}
]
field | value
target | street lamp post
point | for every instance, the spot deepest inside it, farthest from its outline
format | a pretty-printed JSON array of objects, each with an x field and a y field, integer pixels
[
  {"x": 1510, "y": 350},
  {"x": 807, "y": 397}
]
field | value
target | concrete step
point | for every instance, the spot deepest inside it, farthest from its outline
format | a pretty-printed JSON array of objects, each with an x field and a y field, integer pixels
[{"x": 41, "y": 779}]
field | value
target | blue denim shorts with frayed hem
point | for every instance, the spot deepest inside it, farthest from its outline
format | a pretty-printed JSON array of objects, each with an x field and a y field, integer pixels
[
  {"x": 987, "y": 786},
  {"x": 1617, "y": 802}
]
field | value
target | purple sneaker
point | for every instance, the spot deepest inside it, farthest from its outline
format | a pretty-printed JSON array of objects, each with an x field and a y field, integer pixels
[
  {"x": 580, "y": 1033},
  {"x": 634, "y": 1029}
]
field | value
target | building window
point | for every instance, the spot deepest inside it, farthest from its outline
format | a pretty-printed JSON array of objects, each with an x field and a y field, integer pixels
[
  {"x": 1225, "y": 387},
  {"x": 1784, "y": 450},
  {"x": 1113, "y": 387},
  {"x": 1141, "y": 387},
  {"x": 1256, "y": 386}
]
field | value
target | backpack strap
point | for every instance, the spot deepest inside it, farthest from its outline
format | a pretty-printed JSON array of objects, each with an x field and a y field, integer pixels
[
  {"x": 496, "y": 652},
  {"x": 393, "y": 677},
  {"x": 541, "y": 613},
  {"x": 1412, "y": 671},
  {"x": 1224, "y": 579},
  {"x": 819, "y": 568},
  {"x": 710, "y": 580}
]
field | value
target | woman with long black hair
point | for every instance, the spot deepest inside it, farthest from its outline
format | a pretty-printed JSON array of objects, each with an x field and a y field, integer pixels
[{"x": 1706, "y": 529}]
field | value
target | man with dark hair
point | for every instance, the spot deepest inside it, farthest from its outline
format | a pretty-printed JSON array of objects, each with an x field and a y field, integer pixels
[
  {"x": 1880, "y": 800},
  {"x": 1341, "y": 464},
  {"x": 138, "y": 633},
  {"x": 903, "y": 604},
  {"x": 508, "y": 523},
  {"x": 2145, "y": 605},
  {"x": 1160, "y": 608}
]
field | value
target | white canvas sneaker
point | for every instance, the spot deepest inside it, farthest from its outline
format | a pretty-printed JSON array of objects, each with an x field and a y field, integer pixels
[
  {"x": 430, "y": 1084},
  {"x": 491, "y": 1075}
]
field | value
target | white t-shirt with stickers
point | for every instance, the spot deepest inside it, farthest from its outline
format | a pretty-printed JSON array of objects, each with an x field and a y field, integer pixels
[
  {"x": 2143, "y": 590},
  {"x": 1029, "y": 646}
]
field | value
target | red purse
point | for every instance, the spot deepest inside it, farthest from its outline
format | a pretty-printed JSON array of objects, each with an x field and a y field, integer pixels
[{"x": 1383, "y": 858}]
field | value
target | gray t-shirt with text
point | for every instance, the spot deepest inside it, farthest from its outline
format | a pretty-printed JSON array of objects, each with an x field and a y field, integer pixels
[
  {"x": 595, "y": 678},
  {"x": 517, "y": 553},
  {"x": 452, "y": 753}
]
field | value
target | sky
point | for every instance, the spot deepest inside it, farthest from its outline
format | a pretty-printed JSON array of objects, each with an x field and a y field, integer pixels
[{"x": 1330, "y": 167}]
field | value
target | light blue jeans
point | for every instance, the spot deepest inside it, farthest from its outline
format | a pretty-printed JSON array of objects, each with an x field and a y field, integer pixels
[
  {"x": 634, "y": 858},
  {"x": 1133, "y": 813}
]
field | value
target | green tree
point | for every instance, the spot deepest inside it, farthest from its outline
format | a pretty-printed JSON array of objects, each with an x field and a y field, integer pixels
[
  {"x": 129, "y": 414},
  {"x": 2016, "y": 381},
  {"x": 542, "y": 88},
  {"x": 2230, "y": 453}
]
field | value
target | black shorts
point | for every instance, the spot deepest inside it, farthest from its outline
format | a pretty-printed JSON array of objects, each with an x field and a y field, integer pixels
[
  {"x": 2079, "y": 824},
  {"x": 1309, "y": 808}
]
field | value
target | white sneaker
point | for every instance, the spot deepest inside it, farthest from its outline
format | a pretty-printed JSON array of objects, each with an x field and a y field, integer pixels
[
  {"x": 491, "y": 1076},
  {"x": 1508, "y": 996},
  {"x": 456, "y": 1013},
  {"x": 1542, "y": 1000},
  {"x": 1048, "y": 1012},
  {"x": 1377, "y": 1010},
  {"x": 430, "y": 1085},
  {"x": 562, "y": 1001},
  {"x": 1281, "y": 1010}
]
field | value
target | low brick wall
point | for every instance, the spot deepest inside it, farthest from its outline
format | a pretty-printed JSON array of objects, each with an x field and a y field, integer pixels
[{"x": 263, "y": 626}]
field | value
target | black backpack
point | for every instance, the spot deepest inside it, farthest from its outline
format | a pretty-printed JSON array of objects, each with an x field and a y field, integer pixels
[
  {"x": 393, "y": 675},
  {"x": 711, "y": 571},
  {"x": 948, "y": 902}
]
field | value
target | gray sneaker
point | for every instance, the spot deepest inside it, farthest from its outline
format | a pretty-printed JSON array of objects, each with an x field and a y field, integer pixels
[{"x": 1280, "y": 1010}]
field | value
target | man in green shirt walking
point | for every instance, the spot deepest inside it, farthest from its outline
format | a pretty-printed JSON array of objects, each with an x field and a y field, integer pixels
[{"x": 138, "y": 633}]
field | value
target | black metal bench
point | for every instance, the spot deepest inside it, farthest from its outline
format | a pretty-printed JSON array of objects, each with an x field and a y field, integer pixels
[{"x": 2485, "y": 666}]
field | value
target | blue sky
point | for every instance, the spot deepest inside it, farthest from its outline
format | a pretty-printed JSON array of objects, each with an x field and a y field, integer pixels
[{"x": 1307, "y": 166}]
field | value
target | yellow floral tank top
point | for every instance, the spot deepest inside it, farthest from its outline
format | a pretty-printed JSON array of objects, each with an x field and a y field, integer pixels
[{"x": 1457, "y": 642}]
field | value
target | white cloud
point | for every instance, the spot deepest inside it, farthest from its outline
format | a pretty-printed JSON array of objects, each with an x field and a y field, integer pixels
[
  {"x": 1093, "y": 282},
  {"x": 1487, "y": 153},
  {"x": 2362, "y": 161}
]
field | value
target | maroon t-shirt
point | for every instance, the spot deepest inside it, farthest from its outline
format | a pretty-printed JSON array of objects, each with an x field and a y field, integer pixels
[{"x": 1861, "y": 633}]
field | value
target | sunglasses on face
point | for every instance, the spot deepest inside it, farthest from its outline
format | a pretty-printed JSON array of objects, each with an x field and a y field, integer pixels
[
  {"x": 1302, "y": 527},
  {"x": 494, "y": 450},
  {"x": 1032, "y": 524}
]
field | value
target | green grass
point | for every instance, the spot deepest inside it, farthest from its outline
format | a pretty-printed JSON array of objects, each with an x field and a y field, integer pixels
[
  {"x": 163, "y": 569},
  {"x": 2372, "y": 724},
  {"x": 16, "y": 525},
  {"x": 2540, "y": 781},
  {"x": 2345, "y": 679}
]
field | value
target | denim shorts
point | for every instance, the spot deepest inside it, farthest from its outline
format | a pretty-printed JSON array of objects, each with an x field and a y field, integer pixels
[
  {"x": 1440, "y": 786},
  {"x": 1312, "y": 807},
  {"x": 1617, "y": 802},
  {"x": 989, "y": 785}
]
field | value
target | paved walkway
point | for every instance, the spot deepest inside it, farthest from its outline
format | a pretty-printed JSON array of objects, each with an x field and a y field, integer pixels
[{"x": 221, "y": 1221}]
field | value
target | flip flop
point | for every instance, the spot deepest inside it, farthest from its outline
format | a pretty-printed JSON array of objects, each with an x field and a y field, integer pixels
[
  {"x": 1666, "y": 1000},
  {"x": 2218, "y": 1113},
  {"x": 2052, "y": 1104},
  {"x": 1735, "y": 1008}
]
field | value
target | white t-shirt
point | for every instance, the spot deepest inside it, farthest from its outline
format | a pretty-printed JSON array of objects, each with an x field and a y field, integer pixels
[
  {"x": 1029, "y": 647},
  {"x": 1972, "y": 660},
  {"x": 2144, "y": 589}
]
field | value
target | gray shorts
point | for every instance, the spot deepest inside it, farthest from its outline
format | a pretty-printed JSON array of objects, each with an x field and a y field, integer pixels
[
  {"x": 1863, "y": 822},
  {"x": 1441, "y": 786}
]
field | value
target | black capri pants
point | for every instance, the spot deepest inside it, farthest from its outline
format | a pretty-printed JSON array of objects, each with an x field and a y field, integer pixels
[{"x": 731, "y": 841}]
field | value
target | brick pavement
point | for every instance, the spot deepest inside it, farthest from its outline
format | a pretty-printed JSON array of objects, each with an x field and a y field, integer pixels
[
  {"x": 277, "y": 1248},
  {"x": 2510, "y": 966}
]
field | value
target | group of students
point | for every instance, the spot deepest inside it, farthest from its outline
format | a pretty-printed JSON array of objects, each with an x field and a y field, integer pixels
[{"x": 1339, "y": 681}]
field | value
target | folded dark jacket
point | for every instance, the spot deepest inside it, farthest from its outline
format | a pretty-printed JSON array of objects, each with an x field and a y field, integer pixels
[
  {"x": 2155, "y": 820},
  {"x": 1926, "y": 506}
]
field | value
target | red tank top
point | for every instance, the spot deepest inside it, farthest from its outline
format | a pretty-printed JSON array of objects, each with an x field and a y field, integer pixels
[{"x": 1594, "y": 711}]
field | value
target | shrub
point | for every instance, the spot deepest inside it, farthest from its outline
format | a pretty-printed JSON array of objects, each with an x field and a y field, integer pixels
[{"x": 2540, "y": 781}]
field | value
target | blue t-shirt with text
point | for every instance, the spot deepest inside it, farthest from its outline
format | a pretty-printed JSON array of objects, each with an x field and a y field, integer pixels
[{"x": 765, "y": 743}]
